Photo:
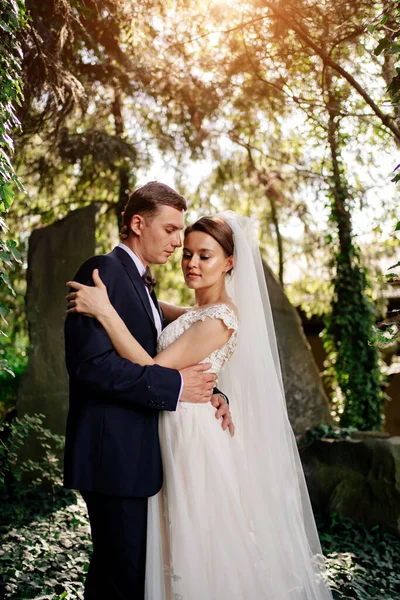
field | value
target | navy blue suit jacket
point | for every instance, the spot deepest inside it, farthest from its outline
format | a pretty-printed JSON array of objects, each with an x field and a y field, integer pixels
[{"x": 112, "y": 443}]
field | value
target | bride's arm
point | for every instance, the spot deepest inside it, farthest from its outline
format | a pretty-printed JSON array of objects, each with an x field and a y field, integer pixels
[
  {"x": 195, "y": 344},
  {"x": 172, "y": 312}
]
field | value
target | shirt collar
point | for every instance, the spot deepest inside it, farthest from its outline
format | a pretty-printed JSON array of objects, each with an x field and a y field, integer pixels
[{"x": 139, "y": 265}]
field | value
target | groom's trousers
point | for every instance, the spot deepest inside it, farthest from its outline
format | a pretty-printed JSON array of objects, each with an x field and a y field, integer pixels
[{"x": 117, "y": 567}]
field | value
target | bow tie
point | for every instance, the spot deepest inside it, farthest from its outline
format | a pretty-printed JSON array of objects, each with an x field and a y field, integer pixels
[{"x": 149, "y": 280}]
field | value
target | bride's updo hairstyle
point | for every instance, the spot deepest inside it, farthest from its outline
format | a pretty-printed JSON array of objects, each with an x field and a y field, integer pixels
[{"x": 217, "y": 229}]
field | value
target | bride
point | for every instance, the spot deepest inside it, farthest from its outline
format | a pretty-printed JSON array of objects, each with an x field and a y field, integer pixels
[{"x": 233, "y": 519}]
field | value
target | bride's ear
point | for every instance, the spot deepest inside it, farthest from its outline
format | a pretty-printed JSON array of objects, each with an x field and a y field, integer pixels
[{"x": 229, "y": 264}]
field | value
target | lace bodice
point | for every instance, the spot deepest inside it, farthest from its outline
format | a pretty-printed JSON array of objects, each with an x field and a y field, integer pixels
[{"x": 219, "y": 357}]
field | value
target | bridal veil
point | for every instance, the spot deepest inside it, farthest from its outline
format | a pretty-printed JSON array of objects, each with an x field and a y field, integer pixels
[{"x": 273, "y": 491}]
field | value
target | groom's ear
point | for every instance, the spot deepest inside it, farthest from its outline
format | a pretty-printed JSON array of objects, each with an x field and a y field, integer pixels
[{"x": 137, "y": 224}]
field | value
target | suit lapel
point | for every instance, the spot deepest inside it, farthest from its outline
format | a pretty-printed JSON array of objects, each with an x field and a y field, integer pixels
[{"x": 137, "y": 281}]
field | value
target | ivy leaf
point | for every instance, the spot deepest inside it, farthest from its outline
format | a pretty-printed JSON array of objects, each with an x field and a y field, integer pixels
[
  {"x": 6, "y": 195},
  {"x": 4, "y": 367},
  {"x": 4, "y": 255},
  {"x": 3, "y": 312},
  {"x": 382, "y": 45}
]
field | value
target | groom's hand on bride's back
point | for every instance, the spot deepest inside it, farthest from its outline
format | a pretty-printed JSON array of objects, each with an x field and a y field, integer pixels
[{"x": 197, "y": 384}]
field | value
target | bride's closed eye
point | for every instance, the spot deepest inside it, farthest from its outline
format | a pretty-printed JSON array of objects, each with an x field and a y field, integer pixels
[{"x": 189, "y": 256}]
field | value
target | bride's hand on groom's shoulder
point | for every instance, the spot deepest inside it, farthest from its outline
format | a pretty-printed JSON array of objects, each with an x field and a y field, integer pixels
[{"x": 91, "y": 301}]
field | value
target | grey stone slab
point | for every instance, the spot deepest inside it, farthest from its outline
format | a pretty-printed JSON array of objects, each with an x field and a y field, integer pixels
[
  {"x": 55, "y": 254},
  {"x": 306, "y": 400}
]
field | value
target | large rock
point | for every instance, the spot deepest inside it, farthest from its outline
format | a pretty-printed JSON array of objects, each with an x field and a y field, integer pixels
[
  {"x": 306, "y": 400},
  {"x": 359, "y": 479},
  {"x": 55, "y": 254}
]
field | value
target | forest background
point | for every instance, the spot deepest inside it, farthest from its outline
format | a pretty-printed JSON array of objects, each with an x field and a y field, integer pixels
[{"x": 287, "y": 111}]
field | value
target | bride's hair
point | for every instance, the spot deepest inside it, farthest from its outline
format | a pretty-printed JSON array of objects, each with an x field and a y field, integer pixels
[{"x": 217, "y": 229}]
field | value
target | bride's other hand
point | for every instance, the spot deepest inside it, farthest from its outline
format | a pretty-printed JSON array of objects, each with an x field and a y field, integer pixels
[
  {"x": 88, "y": 300},
  {"x": 223, "y": 411}
]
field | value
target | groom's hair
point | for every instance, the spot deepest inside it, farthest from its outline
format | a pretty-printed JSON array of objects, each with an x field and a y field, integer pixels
[{"x": 146, "y": 200}]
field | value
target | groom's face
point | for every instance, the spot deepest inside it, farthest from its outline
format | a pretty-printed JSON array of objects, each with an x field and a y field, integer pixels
[{"x": 160, "y": 235}]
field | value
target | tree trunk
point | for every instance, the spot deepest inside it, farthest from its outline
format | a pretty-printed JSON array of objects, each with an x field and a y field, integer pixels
[
  {"x": 339, "y": 191},
  {"x": 349, "y": 327},
  {"x": 272, "y": 193},
  {"x": 124, "y": 178}
]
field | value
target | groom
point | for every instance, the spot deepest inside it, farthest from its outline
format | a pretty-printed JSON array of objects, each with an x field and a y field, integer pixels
[{"x": 112, "y": 451}]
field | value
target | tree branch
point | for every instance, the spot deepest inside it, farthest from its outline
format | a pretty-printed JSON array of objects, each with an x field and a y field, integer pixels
[{"x": 305, "y": 38}]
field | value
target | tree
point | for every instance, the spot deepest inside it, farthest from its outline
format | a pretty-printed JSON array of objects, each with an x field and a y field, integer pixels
[
  {"x": 263, "y": 59},
  {"x": 350, "y": 324}
]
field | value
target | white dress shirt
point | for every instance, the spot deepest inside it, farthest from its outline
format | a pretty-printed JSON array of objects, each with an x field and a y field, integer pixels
[
  {"x": 141, "y": 268},
  {"x": 157, "y": 319}
]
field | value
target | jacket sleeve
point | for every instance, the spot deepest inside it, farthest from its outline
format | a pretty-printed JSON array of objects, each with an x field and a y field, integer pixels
[
  {"x": 92, "y": 360},
  {"x": 217, "y": 391}
]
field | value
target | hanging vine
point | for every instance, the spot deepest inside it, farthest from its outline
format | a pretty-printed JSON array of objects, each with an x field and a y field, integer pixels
[
  {"x": 12, "y": 20},
  {"x": 349, "y": 327}
]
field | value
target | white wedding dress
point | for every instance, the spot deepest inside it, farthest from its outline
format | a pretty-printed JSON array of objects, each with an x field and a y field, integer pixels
[{"x": 233, "y": 519}]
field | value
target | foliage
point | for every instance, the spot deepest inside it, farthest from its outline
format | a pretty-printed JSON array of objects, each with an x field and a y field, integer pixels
[
  {"x": 252, "y": 87},
  {"x": 12, "y": 20},
  {"x": 109, "y": 82},
  {"x": 9, "y": 381},
  {"x": 45, "y": 545},
  {"x": 271, "y": 104},
  {"x": 14, "y": 344},
  {"x": 13, "y": 436},
  {"x": 388, "y": 26},
  {"x": 347, "y": 340},
  {"x": 362, "y": 563},
  {"x": 350, "y": 324},
  {"x": 79, "y": 75},
  {"x": 323, "y": 431},
  {"x": 32, "y": 516}
]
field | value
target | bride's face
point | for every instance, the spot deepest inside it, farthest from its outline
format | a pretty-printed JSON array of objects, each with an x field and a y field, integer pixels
[{"x": 204, "y": 262}]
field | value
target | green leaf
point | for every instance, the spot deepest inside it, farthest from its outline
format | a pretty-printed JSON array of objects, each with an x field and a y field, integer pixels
[
  {"x": 5, "y": 255},
  {"x": 3, "y": 312},
  {"x": 382, "y": 45},
  {"x": 395, "y": 49},
  {"x": 7, "y": 195}
]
